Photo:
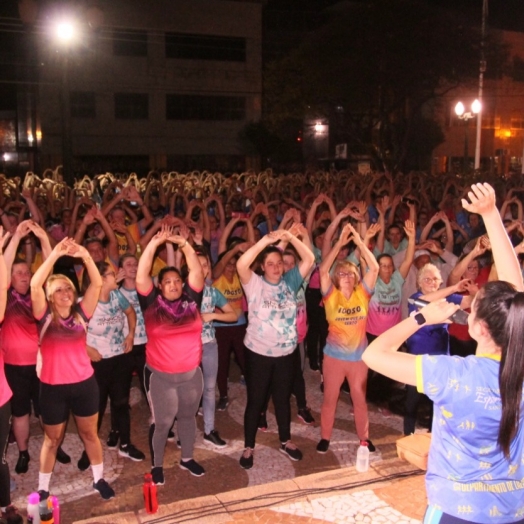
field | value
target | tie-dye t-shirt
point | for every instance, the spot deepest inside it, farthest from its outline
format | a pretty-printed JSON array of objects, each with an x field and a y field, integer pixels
[
  {"x": 346, "y": 318},
  {"x": 234, "y": 295},
  {"x": 105, "y": 332},
  {"x": 5, "y": 390},
  {"x": 212, "y": 299},
  {"x": 63, "y": 348},
  {"x": 140, "y": 328},
  {"x": 173, "y": 330},
  {"x": 272, "y": 328},
  {"x": 19, "y": 336},
  {"x": 468, "y": 475},
  {"x": 384, "y": 306}
]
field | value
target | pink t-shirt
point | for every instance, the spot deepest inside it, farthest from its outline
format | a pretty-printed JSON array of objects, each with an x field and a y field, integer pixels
[
  {"x": 174, "y": 329},
  {"x": 19, "y": 336},
  {"x": 63, "y": 348}
]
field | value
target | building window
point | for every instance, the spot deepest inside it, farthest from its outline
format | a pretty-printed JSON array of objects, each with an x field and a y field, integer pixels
[
  {"x": 205, "y": 47},
  {"x": 517, "y": 123},
  {"x": 131, "y": 106},
  {"x": 195, "y": 107},
  {"x": 490, "y": 122},
  {"x": 83, "y": 104},
  {"x": 129, "y": 42}
]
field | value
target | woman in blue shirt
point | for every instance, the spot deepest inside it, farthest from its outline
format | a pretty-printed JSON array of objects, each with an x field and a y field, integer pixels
[{"x": 476, "y": 458}]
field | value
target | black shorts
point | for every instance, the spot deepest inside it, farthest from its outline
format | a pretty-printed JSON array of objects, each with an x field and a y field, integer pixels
[
  {"x": 25, "y": 385},
  {"x": 56, "y": 402}
]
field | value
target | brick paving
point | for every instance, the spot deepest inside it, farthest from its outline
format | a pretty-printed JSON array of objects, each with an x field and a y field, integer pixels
[{"x": 228, "y": 493}]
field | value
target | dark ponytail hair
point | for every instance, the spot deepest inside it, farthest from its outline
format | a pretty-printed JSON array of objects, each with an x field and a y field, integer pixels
[{"x": 501, "y": 308}]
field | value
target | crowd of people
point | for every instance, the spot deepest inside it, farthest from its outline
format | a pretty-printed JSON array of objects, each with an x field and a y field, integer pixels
[{"x": 167, "y": 275}]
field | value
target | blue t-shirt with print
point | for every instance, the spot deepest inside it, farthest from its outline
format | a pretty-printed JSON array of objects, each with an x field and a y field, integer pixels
[
  {"x": 434, "y": 339},
  {"x": 211, "y": 299},
  {"x": 468, "y": 476}
]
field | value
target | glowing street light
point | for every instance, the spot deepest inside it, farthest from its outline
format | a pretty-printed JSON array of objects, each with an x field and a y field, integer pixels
[
  {"x": 65, "y": 32},
  {"x": 460, "y": 111}
]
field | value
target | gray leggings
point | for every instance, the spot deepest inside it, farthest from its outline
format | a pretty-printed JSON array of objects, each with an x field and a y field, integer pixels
[{"x": 172, "y": 395}]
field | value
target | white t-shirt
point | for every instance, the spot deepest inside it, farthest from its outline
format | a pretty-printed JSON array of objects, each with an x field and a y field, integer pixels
[{"x": 272, "y": 329}]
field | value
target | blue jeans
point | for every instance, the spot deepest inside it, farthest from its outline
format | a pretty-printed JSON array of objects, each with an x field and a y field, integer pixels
[{"x": 209, "y": 370}]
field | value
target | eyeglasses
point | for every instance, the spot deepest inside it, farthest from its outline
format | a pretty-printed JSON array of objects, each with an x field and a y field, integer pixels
[
  {"x": 429, "y": 280},
  {"x": 110, "y": 274},
  {"x": 340, "y": 274}
]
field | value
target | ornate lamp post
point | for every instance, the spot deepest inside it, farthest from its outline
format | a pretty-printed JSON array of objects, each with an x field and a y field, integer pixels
[{"x": 461, "y": 112}]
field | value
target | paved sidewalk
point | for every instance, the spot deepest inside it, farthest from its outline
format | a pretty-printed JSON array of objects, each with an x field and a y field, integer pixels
[
  {"x": 390, "y": 492},
  {"x": 233, "y": 493}
]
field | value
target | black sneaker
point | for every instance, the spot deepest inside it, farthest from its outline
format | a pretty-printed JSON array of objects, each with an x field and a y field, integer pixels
[
  {"x": 112, "y": 439},
  {"x": 262, "y": 422},
  {"x": 305, "y": 416},
  {"x": 22, "y": 465},
  {"x": 214, "y": 439},
  {"x": 105, "y": 490},
  {"x": 291, "y": 451},
  {"x": 371, "y": 447},
  {"x": 131, "y": 452},
  {"x": 158, "y": 475},
  {"x": 62, "y": 456},
  {"x": 193, "y": 467},
  {"x": 222, "y": 404},
  {"x": 44, "y": 495},
  {"x": 84, "y": 462},
  {"x": 246, "y": 460},
  {"x": 323, "y": 446},
  {"x": 171, "y": 436}
]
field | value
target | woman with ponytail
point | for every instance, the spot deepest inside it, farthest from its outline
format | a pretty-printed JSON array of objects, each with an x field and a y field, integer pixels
[{"x": 476, "y": 460}]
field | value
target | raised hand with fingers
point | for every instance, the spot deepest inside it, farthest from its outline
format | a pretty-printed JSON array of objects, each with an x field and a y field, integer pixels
[
  {"x": 409, "y": 228},
  {"x": 482, "y": 199}
]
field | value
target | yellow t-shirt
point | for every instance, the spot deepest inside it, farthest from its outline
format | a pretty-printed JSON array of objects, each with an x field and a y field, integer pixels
[{"x": 235, "y": 297}]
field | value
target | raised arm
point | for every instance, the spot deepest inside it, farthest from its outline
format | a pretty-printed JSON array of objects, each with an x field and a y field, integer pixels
[
  {"x": 41, "y": 234},
  {"x": 195, "y": 276},
  {"x": 409, "y": 228},
  {"x": 329, "y": 259},
  {"x": 370, "y": 278},
  {"x": 4, "y": 277},
  {"x": 92, "y": 293},
  {"x": 482, "y": 201},
  {"x": 10, "y": 251},
  {"x": 247, "y": 258},
  {"x": 461, "y": 266},
  {"x": 307, "y": 258},
  {"x": 382, "y": 355},
  {"x": 330, "y": 231},
  {"x": 144, "y": 282}
]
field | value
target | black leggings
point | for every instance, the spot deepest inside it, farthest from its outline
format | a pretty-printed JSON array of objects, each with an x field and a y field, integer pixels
[
  {"x": 5, "y": 480},
  {"x": 114, "y": 381},
  {"x": 299, "y": 385},
  {"x": 317, "y": 329},
  {"x": 268, "y": 375}
]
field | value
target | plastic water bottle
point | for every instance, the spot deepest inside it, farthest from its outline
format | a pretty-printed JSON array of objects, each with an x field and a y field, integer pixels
[
  {"x": 362, "y": 457},
  {"x": 150, "y": 498},
  {"x": 56, "y": 509},
  {"x": 45, "y": 509},
  {"x": 33, "y": 516}
]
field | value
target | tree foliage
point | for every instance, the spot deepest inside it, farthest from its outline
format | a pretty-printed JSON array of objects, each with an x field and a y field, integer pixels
[{"x": 374, "y": 69}]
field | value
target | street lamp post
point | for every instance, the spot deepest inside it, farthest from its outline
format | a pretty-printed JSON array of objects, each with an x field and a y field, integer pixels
[
  {"x": 65, "y": 34},
  {"x": 461, "y": 112}
]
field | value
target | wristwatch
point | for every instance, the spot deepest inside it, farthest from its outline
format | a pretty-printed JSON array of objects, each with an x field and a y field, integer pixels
[{"x": 419, "y": 319}]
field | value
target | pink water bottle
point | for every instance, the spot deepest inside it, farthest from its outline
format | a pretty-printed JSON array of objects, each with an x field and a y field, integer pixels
[
  {"x": 150, "y": 498},
  {"x": 33, "y": 515},
  {"x": 56, "y": 509}
]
